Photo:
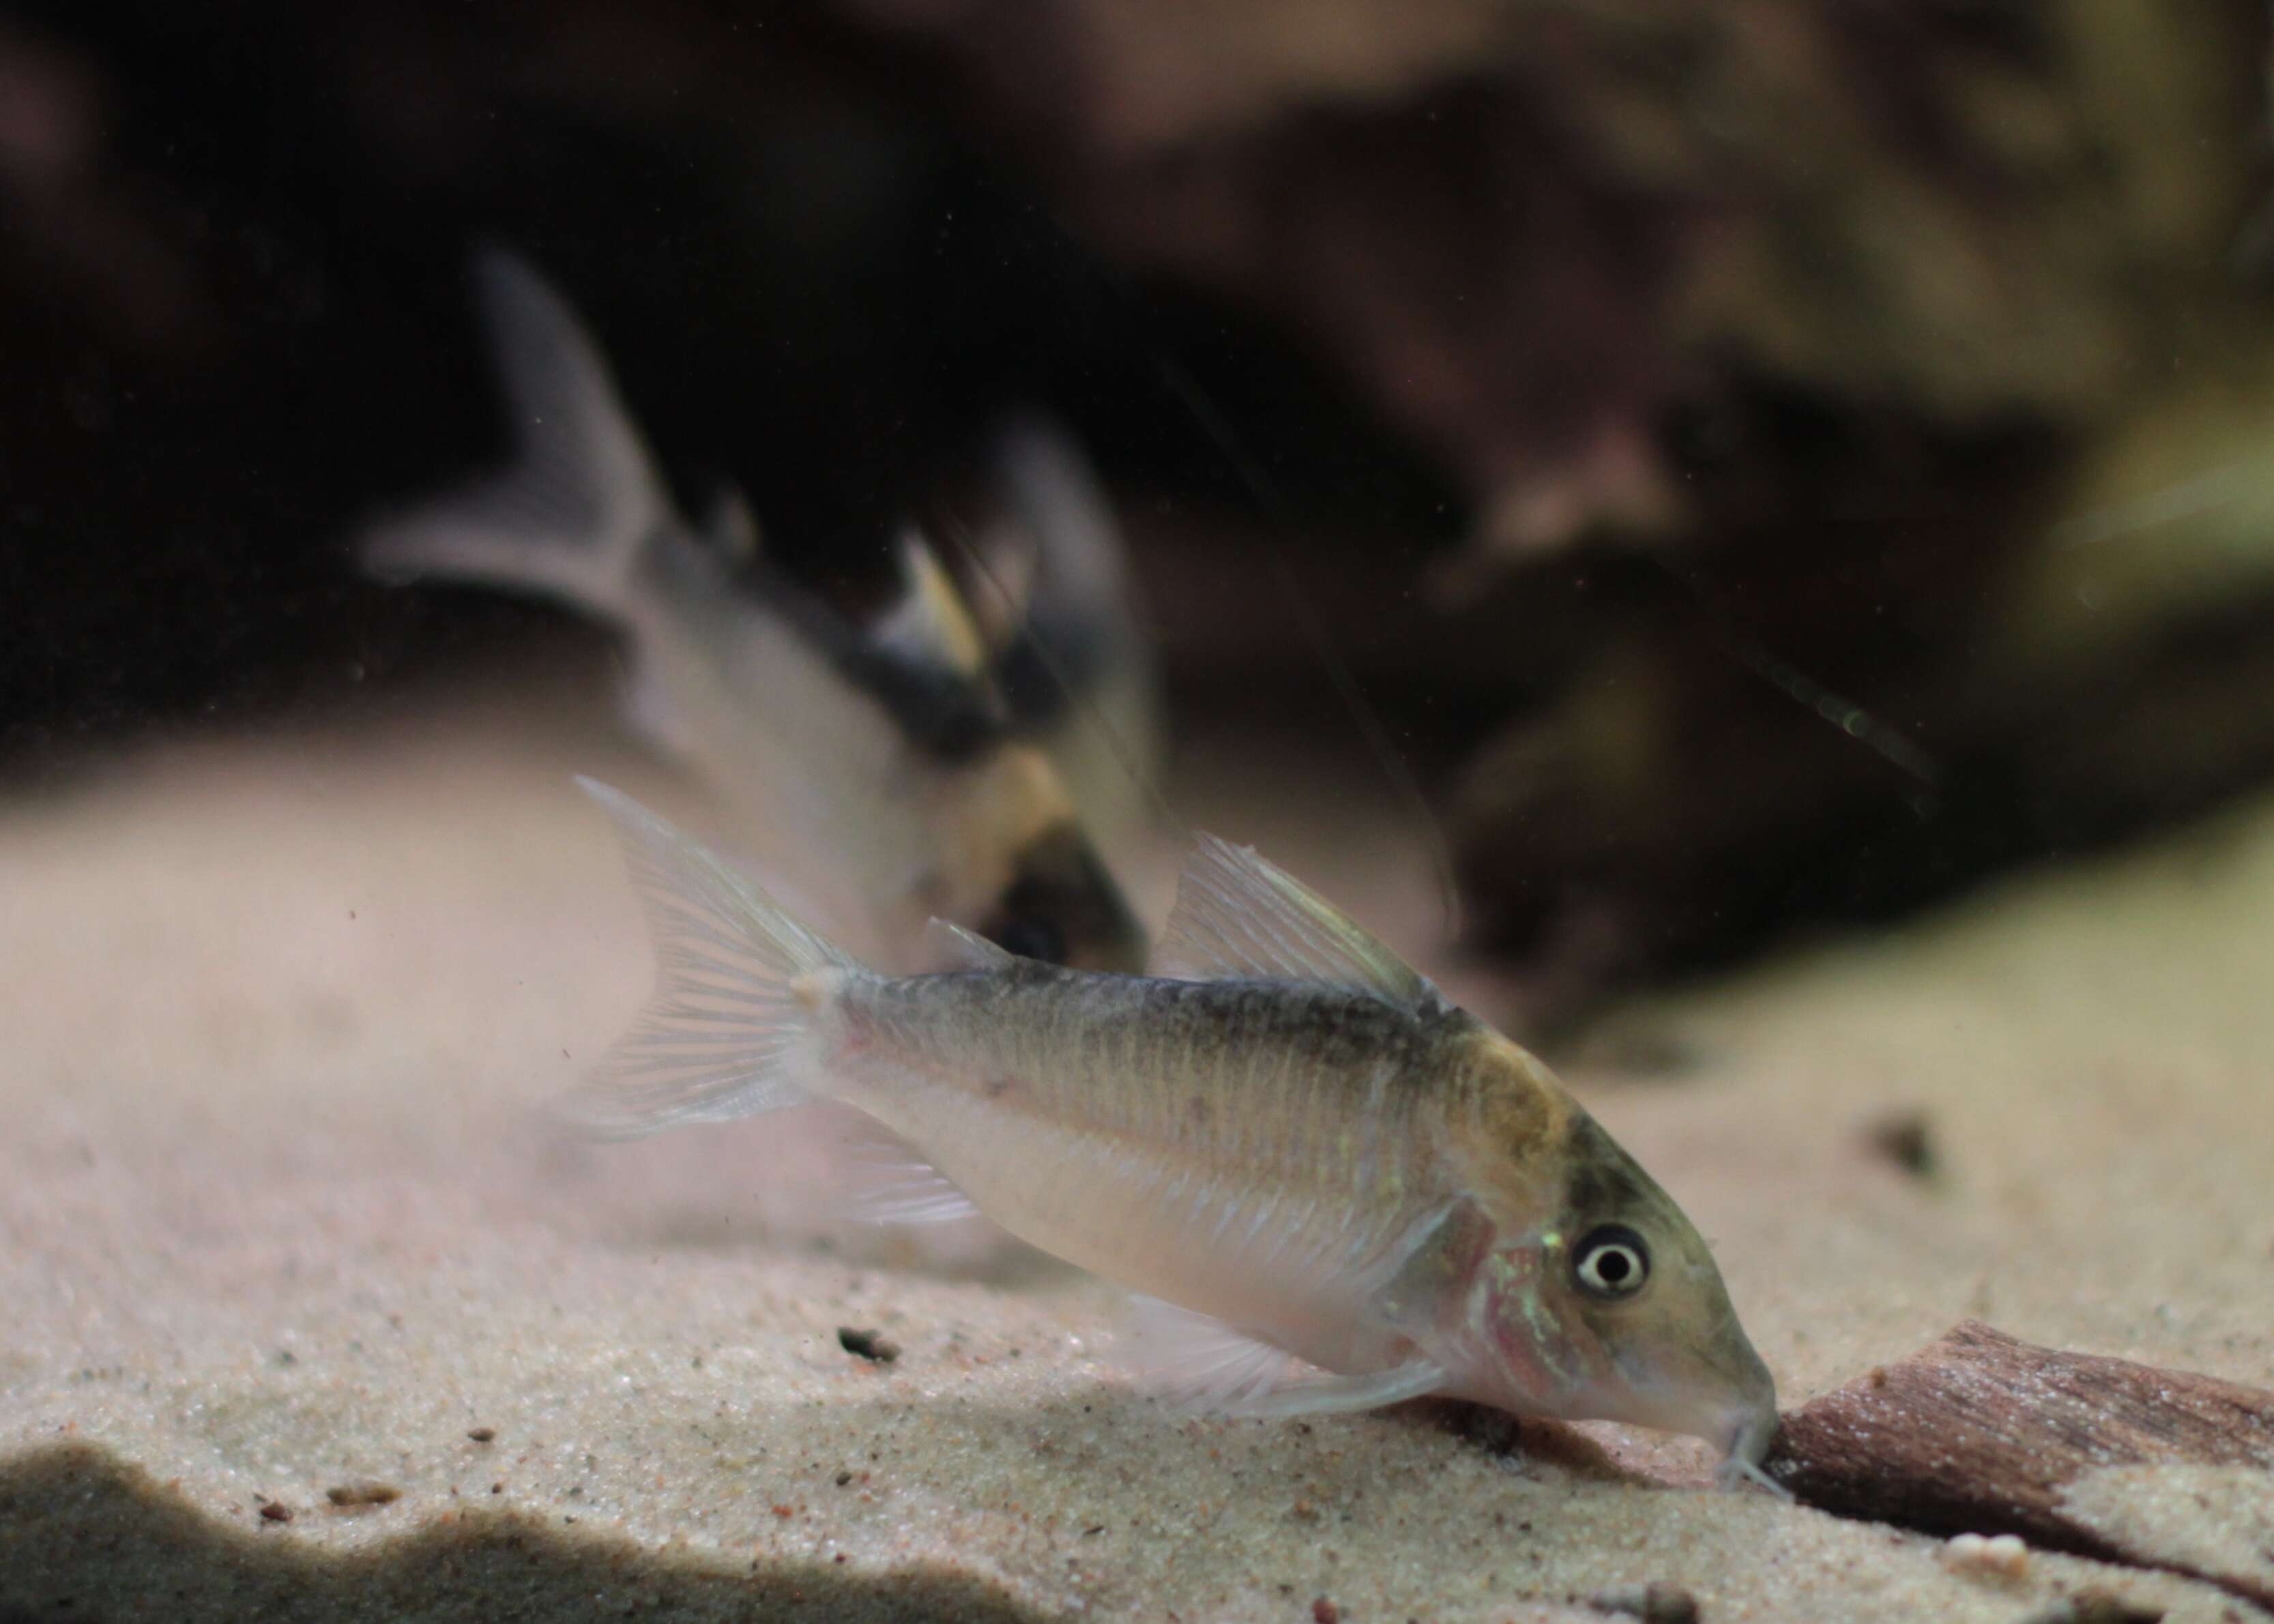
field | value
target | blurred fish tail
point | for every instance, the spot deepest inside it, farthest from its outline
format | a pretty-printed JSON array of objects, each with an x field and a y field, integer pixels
[
  {"x": 571, "y": 517},
  {"x": 728, "y": 1032}
]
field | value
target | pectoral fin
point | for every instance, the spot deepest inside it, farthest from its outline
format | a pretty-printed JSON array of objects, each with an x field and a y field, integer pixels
[{"x": 1200, "y": 1365}]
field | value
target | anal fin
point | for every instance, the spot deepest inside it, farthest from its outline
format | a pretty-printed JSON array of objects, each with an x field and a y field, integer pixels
[{"x": 888, "y": 1182}]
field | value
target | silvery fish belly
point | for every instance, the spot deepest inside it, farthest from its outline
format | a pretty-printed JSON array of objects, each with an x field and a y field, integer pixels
[
  {"x": 1338, "y": 1189},
  {"x": 886, "y": 754}
]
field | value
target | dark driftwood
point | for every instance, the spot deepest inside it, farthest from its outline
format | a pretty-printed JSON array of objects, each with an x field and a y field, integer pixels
[{"x": 1982, "y": 1431}]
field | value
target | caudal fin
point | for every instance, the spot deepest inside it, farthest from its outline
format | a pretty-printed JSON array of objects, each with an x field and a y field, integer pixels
[
  {"x": 568, "y": 520},
  {"x": 722, "y": 1037}
]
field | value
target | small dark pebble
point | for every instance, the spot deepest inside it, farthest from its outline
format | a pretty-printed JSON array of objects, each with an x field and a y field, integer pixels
[
  {"x": 1652, "y": 1604},
  {"x": 1905, "y": 1139},
  {"x": 482, "y": 1434},
  {"x": 867, "y": 1345},
  {"x": 1324, "y": 1611},
  {"x": 275, "y": 1511},
  {"x": 1095, "y": 1527},
  {"x": 2095, "y": 1607},
  {"x": 362, "y": 1495},
  {"x": 843, "y": 1478}
]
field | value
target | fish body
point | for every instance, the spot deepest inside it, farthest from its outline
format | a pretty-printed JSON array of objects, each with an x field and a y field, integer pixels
[
  {"x": 887, "y": 754},
  {"x": 1342, "y": 1189}
]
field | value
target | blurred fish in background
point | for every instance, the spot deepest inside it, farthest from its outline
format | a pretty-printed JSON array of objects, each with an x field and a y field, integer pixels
[
  {"x": 1063, "y": 622},
  {"x": 1734, "y": 546},
  {"x": 886, "y": 753}
]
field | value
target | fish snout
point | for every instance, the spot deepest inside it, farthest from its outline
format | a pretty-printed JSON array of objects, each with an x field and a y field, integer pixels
[
  {"x": 1748, "y": 1421},
  {"x": 1721, "y": 1393},
  {"x": 1749, "y": 1433}
]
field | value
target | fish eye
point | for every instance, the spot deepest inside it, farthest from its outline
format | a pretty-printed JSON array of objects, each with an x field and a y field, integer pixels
[
  {"x": 1031, "y": 938},
  {"x": 1611, "y": 1263}
]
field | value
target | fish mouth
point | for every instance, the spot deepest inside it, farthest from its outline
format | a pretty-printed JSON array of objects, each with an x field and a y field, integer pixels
[
  {"x": 1749, "y": 1439},
  {"x": 1745, "y": 1445},
  {"x": 1752, "y": 1421}
]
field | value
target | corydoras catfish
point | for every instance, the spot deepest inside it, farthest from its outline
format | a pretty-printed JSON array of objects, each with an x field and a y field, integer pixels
[
  {"x": 1061, "y": 615},
  {"x": 1341, "y": 1190},
  {"x": 888, "y": 754}
]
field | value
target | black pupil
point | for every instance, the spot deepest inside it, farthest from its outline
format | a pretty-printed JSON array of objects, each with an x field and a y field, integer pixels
[{"x": 1613, "y": 1265}]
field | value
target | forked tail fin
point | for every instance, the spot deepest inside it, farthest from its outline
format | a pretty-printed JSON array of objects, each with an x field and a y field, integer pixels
[
  {"x": 724, "y": 1035},
  {"x": 570, "y": 518}
]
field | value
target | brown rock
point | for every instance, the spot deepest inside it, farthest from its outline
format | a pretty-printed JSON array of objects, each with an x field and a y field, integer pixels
[
  {"x": 2095, "y": 1607},
  {"x": 1983, "y": 1433}
]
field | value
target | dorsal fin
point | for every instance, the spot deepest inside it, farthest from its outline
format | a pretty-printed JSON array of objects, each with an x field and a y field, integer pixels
[
  {"x": 931, "y": 626},
  {"x": 966, "y": 950},
  {"x": 1239, "y": 916}
]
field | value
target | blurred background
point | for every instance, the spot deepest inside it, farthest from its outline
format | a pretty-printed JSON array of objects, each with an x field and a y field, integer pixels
[{"x": 1746, "y": 469}]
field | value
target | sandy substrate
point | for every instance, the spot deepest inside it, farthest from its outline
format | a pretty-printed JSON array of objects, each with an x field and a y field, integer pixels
[{"x": 280, "y": 1214}]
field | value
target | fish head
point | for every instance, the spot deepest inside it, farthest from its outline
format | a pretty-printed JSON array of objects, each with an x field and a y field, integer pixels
[
  {"x": 1043, "y": 892},
  {"x": 1061, "y": 905},
  {"x": 1609, "y": 1308}
]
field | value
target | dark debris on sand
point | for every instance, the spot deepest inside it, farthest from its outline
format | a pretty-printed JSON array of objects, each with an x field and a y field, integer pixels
[{"x": 869, "y": 1345}]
